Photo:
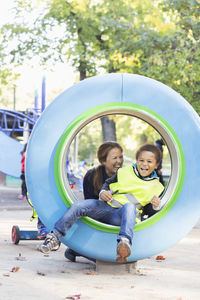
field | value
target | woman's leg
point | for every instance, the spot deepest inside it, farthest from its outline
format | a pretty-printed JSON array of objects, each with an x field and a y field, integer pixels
[
  {"x": 95, "y": 209},
  {"x": 92, "y": 208}
]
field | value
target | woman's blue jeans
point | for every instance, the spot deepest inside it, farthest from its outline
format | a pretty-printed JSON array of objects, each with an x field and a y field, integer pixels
[{"x": 124, "y": 216}]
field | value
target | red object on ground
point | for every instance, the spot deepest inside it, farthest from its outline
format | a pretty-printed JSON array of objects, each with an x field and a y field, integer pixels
[{"x": 160, "y": 257}]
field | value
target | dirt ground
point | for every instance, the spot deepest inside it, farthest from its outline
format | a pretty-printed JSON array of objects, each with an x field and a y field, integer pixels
[{"x": 52, "y": 277}]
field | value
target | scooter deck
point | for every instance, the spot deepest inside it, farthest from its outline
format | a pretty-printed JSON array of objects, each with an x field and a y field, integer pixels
[{"x": 18, "y": 235}]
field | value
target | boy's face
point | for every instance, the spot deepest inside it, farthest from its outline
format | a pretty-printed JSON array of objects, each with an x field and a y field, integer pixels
[{"x": 146, "y": 163}]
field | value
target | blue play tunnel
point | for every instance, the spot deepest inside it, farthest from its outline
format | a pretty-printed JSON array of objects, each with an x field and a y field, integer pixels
[{"x": 164, "y": 109}]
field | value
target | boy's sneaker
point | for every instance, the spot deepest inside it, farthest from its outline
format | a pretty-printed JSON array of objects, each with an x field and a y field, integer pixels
[
  {"x": 123, "y": 250},
  {"x": 51, "y": 243}
]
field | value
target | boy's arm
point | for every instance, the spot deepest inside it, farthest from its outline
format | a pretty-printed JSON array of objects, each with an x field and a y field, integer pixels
[
  {"x": 108, "y": 181},
  {"x": 155, "y": 201},
  {"x": 106, "y": 189}
]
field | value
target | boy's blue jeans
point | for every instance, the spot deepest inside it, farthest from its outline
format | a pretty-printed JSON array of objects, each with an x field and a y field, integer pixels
[{"x": 124, "y": 216}]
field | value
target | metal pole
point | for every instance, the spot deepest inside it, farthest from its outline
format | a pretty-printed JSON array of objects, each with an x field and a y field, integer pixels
[
  {"x": 76, "y": 140},
  {"x": 14, "y": 97},
  {"x": 43, "y": 94}
]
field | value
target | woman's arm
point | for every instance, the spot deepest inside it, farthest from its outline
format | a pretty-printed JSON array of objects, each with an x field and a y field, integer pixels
[{"x": 88, "y": 189}]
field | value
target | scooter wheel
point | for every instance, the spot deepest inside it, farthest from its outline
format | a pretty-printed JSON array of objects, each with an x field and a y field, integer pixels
[{"x": 15, "y": 234}]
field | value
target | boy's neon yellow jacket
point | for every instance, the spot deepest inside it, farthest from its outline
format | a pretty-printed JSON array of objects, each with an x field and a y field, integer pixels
[{"x": 130, "y": 188}]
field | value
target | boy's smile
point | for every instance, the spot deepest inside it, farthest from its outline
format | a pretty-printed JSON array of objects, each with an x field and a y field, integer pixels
[{"x": 146, "y": 163}]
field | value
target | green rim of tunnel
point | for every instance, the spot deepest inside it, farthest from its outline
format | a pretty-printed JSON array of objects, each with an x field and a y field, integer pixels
[{"x": 106, "y": 109}]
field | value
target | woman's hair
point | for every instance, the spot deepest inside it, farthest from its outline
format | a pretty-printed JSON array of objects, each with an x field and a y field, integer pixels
[
  {"x": 151, "y": 148},
  {"x": 105, "y": 148},
  {"x": 102, "y": 154}
]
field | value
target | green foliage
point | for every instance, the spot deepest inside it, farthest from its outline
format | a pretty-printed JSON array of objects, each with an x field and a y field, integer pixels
[
  {"x": 158, "y": 39},
  {"x": 7, "y": 79},
  {"x": 131, "y": 132},
  {"x": 90, "y": 137},
  {"x": 7, "y": 76}
]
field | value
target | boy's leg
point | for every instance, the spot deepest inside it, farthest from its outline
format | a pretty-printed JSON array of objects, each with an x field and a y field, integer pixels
[
  {"x": 91, "y": 207},
  {"x": 125, "y": 218},
  {"x": 128, "y": 216}
]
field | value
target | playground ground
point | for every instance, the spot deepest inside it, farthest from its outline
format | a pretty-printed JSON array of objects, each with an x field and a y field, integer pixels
[{"x": 26, "y": 273}]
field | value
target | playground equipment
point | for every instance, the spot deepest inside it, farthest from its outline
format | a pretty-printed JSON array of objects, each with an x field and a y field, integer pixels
[
  {"x": 160, "y": 106},
  {"x": 15, "y": 121},
  {"x": 13, "y": 124},
  {"x": 10, "y": 157}
]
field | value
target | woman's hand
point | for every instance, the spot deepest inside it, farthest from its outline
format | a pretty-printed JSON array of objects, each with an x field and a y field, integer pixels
[
  {"x": 106, "y": 196},
  {"x": 155, "y": 201}
]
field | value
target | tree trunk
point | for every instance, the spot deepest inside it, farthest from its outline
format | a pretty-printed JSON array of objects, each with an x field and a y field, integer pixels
[
  {"x": 108, "y": 129},
  {"x": 108, "y": 125},
  {"x": 82, "y": 72}
]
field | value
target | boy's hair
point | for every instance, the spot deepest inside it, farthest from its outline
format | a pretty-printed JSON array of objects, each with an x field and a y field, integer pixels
[{"x": 151, "y": 148}]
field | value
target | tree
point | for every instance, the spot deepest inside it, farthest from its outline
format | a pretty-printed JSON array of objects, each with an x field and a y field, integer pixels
[
  {"x": 186, "y": 48},
  {"x": 7, "y": 75},
  {"x": 158, "y": 39},
  {"x": 83, "y": 38}
]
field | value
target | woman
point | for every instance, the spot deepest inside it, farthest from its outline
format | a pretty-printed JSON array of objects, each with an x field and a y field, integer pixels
[{"x": 110, "y": 156}]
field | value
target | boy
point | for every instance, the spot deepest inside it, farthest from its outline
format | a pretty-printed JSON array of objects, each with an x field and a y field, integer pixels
[
  {"x": 138, "y": 184},
  {"x": 131, "y": 187}
]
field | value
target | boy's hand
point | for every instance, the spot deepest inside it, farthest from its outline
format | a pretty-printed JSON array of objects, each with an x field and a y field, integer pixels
[
  {"x": 155, "y": 201},
  {"x": 106, "y": 196}
]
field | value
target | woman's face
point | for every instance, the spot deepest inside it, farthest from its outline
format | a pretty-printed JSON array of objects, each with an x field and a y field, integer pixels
[{"x": 114, "y": 161}]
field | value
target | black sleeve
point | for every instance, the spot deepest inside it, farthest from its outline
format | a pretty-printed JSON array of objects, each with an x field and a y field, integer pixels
[
  {"x": 148, "y": 210},
  {"x": 88, "y": 189},
  {"x": 108, "y": 181}
]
